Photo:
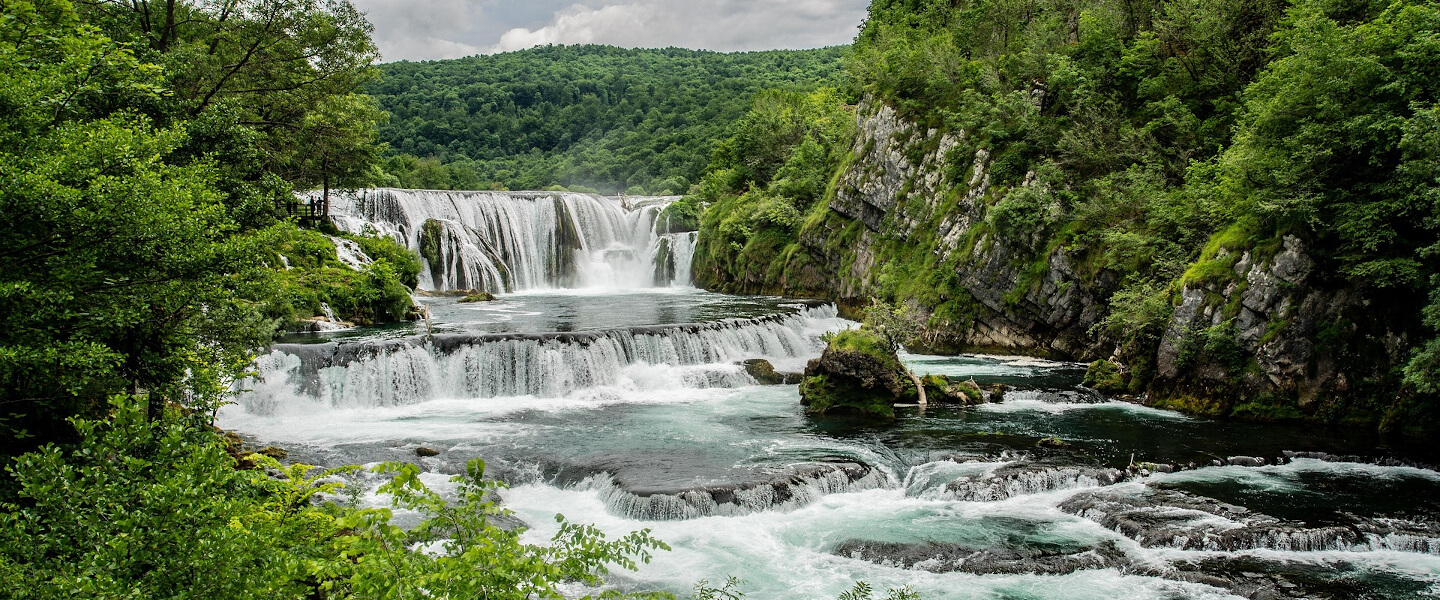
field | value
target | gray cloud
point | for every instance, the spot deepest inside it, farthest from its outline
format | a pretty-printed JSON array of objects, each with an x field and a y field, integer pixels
[
  {"x": 430, "y": 29},
  {"x": 427, "y": 29}
]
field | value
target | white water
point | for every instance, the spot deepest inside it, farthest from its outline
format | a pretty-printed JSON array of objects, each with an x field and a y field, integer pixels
[
  {"x": 657, "y": 427},
  {"x": 513, "y": 241},
  {"x": 368, "y": 374},
  {"x": 783, "y": 545}
]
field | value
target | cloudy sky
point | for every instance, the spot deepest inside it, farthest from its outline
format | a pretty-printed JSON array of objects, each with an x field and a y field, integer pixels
[{"x": 432, "y": 29}]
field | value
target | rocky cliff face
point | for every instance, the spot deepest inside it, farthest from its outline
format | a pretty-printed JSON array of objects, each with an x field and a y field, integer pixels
[
  {"x": 903, "y": 189},
  {"x": 1271, "y": 341},
  {"x": 1274, "y": 341}
]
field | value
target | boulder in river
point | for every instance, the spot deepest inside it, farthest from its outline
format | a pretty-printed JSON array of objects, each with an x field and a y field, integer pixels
[
  {"x": 1105, "y": 377},
  {"x": 939, "y": 388},
  {"x": 857, "y": 374},
  {"x": 764, "y": 373},
  {"x": 478, "y": 297}
]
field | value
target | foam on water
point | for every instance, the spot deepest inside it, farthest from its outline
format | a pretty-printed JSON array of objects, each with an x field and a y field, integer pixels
[
  {"x": 657, "y": 427},
  {"x": 369, "y": 374},
  {"x": 788, "y": 554}
]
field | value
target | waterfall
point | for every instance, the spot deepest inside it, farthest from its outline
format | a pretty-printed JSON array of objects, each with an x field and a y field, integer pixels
[
  {"x": 800, "y": 485},
  {"x": 512, "y": 241},
  {"x": 410, "y": 370}
]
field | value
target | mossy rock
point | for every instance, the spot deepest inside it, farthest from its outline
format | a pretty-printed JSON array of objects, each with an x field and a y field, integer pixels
[
  {"x": 274, "y": 452},
  {"x": 764, "y": 373},
  {"x": 864, "y": 342},
  {"x": 1052, "y": 442},
  {"x": 478, "y": 297},
  {"x": 857, "y": 374},
  {"x": 426, "y": 452},
  {"x": 1104, "y": 376},
  {"x": 941, "y": 389},
  {"x": 822, "y": 395}
]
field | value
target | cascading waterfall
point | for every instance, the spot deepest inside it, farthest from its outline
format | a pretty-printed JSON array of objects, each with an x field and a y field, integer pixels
[
  {"x": 802, "y": 486},
  {"x": 406, "y": 371},
  {"x": 512, "y": 241}
]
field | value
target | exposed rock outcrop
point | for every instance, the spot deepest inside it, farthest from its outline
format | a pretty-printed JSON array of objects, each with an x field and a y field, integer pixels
[
  {"x": 849, "y": 378},
  {"x": 1258, "y": 328},
  {"x": 764, "y": 373}
]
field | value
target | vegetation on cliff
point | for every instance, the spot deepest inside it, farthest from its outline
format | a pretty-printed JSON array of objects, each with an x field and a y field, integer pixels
[
  {"x": 1062, "y": 179},
  {"x": 762, "y": 185}
]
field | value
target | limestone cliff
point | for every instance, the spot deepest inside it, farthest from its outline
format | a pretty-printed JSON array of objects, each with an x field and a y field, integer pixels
[
  {"x": 902, "y": 188},
  {"x": 912, "y": 214}
]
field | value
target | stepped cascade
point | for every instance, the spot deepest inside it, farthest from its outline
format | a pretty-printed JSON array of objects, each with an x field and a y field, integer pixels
[
  {"x": 602, "y": 386},
  {"x": 516, "y": 241}
]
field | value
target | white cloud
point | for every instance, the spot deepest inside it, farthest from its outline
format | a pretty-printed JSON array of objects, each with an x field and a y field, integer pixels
[
  {"x": 432, "y": 29},
  {"x": 717, "y": 25},
  {"x": 580, "y": 24}
]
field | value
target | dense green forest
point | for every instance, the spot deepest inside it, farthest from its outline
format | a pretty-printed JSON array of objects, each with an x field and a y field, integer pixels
[
  {"x": 584, "y": 117},
  {"x": 1137, "y": 156},
  {"x": 147, "y": 151}
]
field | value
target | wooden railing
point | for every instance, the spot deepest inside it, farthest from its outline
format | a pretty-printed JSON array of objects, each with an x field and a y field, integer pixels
[{"x": 309, "y": 212}]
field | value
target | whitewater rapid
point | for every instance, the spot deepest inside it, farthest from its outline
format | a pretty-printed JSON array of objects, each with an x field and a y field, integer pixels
[{"x": 629, "y": 410}]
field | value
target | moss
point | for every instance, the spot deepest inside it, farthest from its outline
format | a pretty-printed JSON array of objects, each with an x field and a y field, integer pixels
[
  {"x": 867, "y": 343},
  {"x": 823, "y": 396},
  {"x": 478, "y": 297},
  {"x": 1216, "y": 265},
  {"x": 1195, "y": 405},
  {"x": 939, "y": 388},
  {"x": 1105, "y": 377},
  {"x": 1268, "y": 409},
  {"x": 431, "y": 234}
]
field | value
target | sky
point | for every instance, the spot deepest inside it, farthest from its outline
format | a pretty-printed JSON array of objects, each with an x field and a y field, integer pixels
[{"x": 436, "y": 29}]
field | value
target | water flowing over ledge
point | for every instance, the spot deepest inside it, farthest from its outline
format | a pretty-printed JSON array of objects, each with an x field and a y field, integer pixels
[
  {"x": 797, "y": 486},
  {"x": 403, "y": 371},
  {"x": 513, "y": 241}
]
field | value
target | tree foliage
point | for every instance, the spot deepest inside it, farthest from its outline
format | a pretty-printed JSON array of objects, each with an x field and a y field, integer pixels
[
  {"x": 588, "y": 117},
  {"x": 102, "y": 521},
  {"x": 110, "y": 250},
  {"x": 139, "y": 181}
]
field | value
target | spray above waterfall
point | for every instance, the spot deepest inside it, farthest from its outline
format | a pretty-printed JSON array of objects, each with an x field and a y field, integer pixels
[{"x": 513, "y": 241}]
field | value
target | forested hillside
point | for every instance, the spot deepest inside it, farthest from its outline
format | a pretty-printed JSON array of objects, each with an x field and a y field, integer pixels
[
  {"x": 148, "y": 154},
  {"x": 585, "y": 117},
  {"x": 1231, "y": 205}
]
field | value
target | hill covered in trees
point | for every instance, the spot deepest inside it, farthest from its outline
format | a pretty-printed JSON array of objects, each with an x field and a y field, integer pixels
[
  {"x": 1231, "y": 206},
  {"x": 585, "y": 117}
]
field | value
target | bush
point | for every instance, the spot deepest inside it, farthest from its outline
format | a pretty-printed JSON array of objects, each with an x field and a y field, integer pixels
[
  {"x": 155, "y": 508},
  {"x": 378, "y": 293}
]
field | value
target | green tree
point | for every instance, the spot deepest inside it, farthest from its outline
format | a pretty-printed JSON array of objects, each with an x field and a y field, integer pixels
[
  {"x": 154, "y": 508},
  {"x": 116, "y": 264},
  {"x": 262, "y": 85}
]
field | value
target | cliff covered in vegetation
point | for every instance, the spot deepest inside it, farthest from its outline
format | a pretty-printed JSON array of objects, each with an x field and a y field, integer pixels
[{"x": 1234, "y": 205}]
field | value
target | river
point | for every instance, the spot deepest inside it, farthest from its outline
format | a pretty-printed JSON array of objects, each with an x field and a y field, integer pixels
[{"x": 618, "y": 400}]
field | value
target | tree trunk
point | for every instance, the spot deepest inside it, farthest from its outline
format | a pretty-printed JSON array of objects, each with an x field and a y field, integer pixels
[
  {"x": 325, "y": 198},
  {"x": 919, "y": 386}
]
